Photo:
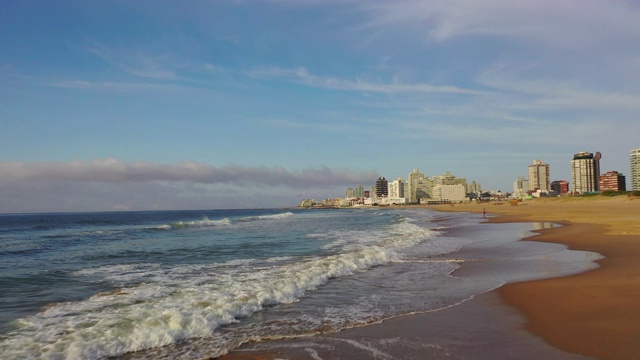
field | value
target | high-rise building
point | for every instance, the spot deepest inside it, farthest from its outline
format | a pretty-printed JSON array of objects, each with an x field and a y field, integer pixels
[
  {"x": 396, "y": 188},
  {"x": 613, "y": 181},
  {"x": 560, "y": 186},
  {"x": 359, "y": 192},
  {"x": 382, "y": 187},
  {"x": 412, "y": 185},
  {"x": 520, "y": 186},
  {"x": 585, "y": 172},
  {"x": 635, "y": 169},
  {"x": 474, "y": 188},
  {"x": 539, "y": 176},
  {"x": 350, "y": 193}
]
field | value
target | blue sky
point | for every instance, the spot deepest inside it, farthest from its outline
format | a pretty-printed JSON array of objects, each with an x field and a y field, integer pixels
[{"x": 125, "y": 105}]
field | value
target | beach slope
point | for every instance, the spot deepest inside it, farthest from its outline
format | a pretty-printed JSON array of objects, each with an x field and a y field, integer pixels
[{"x": 596, "y": 313}]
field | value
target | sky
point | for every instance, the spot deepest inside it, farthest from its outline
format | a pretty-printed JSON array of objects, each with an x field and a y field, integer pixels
[{"x": 154, "y": 105}]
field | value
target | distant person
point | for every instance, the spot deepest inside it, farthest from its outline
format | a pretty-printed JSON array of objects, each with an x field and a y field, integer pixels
[{"x": 484, "y": 213}]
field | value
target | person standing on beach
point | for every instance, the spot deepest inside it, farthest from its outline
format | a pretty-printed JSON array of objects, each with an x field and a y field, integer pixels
[{"x": 484, "y": 212}]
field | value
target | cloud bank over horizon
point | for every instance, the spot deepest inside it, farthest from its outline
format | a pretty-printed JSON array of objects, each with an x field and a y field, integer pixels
[{"x": 111, "y": 184}]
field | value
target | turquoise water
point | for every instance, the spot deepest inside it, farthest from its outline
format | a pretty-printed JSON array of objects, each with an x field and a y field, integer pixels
[{"x": 191, "y": 284}]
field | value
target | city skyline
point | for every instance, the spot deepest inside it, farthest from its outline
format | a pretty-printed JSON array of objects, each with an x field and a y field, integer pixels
[
  {"x": 539, "y": 171},
  {"x": 143, "y": 105}
]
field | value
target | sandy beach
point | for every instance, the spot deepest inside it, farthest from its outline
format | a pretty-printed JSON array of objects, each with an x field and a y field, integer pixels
[{"x": 595, "y": 314}]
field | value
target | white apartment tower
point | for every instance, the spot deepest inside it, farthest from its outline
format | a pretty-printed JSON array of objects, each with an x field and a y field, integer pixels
[
  {"x": 635, "y": 169},
  {"x": 585, "y": 172},
  {"x": 539, "y": 176},
  {"x": 520, "y": 186},
  {"x": 397, "y": 188}
]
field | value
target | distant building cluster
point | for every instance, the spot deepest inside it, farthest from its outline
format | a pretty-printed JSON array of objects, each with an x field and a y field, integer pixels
[
  {"x": 447, "y": 188},
  {"x": 585, "y": 178},
  {"x": 417, "y": 189}
]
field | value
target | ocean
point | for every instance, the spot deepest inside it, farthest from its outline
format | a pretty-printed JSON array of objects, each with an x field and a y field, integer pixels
[{"x": 196, "y": 284}]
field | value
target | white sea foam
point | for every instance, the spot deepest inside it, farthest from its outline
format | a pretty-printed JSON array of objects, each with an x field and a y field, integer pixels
[
  {"x": 200, "y": 223},
  {"x": 160, "y": 306},
  {"x": 206, "y": 222},
  {"x": 267, "y": 217}
]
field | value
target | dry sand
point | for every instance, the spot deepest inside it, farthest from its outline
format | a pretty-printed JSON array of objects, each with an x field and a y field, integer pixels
[{"x": 596, "y": 313}]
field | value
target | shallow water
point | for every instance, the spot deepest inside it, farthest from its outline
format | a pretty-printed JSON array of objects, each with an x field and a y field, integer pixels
[{"x": 189, "y": 284}]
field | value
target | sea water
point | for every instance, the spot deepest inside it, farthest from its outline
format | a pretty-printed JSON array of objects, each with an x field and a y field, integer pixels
[{"x": 194, "y": 284}]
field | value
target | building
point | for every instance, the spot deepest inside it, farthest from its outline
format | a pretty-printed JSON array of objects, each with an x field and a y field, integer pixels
[
  {"x": 448, "y": 179},
  {"x": 359, "y": 192},
  {"x": 418, "y": 187},
  {"x": 613, "y": 181},
  {"x": 396, "y": 188},
  {"x": 385, "y": 201},
  {"x": 585, "y": 172},
  {"x": 520, "y": 187},
  {"x": 372, "y": 192},
  {"x": 635, "y": 169},
  {"x": 382, "y": 187},
  {"x": 350, "y": 193},
  {"x": 412, "y": 185},
  {"x": 560, "y": 187},
  {"x": 539, "y": 176},
  {"x": 474, "y": 188},
  {"x": 449, "y": 193}
]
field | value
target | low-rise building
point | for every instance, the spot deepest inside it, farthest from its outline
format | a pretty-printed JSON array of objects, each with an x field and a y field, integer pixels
[
  {"x": 385, "y": 201},
  {"x": 560, "y": 187},
  {"x": 612, "y": 181}
]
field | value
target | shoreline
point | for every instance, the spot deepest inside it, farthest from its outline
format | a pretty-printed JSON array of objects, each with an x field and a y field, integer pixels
[{"x": 593, "y": 314}]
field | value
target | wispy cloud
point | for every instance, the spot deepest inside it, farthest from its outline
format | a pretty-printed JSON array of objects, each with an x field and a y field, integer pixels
[
  {"x": 302, "y": 76},
  {"x": 138, "y": 62},
  {"x": 114, "y": 86},
  {"x": 116, "y": 171},
  {"x": 566, "y": 23},
  {"x": 544, "y": 93}
]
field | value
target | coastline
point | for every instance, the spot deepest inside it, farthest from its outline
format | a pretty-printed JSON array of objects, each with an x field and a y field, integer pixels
[
  {"x": 479, "y": 327},
  {"x": 595, "y": 313}
]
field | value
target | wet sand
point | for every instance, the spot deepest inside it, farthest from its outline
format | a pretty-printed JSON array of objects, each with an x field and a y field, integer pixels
[
  {"x": 483, "y": 328},
  {"x": 595, "y": 314}
]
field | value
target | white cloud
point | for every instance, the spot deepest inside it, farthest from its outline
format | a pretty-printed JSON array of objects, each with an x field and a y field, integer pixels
[{"x": 301, "y": 75}]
